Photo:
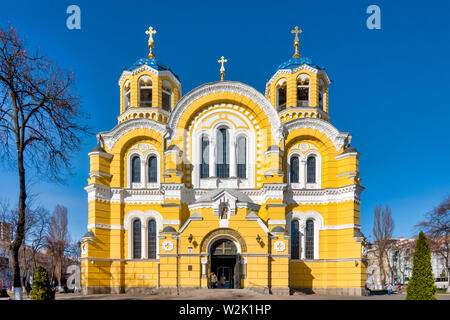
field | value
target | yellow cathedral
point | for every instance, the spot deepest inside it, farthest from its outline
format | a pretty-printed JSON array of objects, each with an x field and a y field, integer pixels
[{"x": 259, "y": 189}]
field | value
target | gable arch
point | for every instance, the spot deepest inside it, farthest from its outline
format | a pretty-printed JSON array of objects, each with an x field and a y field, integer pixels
[
  {"x": 221, "y": 233},
  {"x": 237, "y": 91}
]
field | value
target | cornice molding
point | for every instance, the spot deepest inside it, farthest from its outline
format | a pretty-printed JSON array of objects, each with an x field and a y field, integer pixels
[
  {"x": 112, "y": 136},
  {"x": 225, "y": 86},
  {"x": 145, "y": 67},
  {"x": 338, "y": 138}
]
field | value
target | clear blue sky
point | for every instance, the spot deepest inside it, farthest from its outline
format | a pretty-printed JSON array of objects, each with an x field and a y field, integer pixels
[{"x": 390, "y": 87}]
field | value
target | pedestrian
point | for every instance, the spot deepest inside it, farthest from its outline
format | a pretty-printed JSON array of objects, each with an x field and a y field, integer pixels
[
  {"x": 389, "y": 288},
  {"x": 399, "y": 288},
  {"x": 366, "y": 290},
  {"x": 28, "y": 288},
  {"x": 222, "y": 281},
  {"x": 213, "y": 280}
]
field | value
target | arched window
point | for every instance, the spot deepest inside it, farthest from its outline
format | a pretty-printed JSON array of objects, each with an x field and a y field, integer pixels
[
  {"x": 136, "y": 169},
  {"x": 204, "y": 157},
  {"x": 311, "y": 170},
  {"x": 166, "y": 95},
  {"x": 137, "y": 239},
  {"x": 303, "y": 91},
  {"x": 126, "y": 95},
  {"x": 223, "y": 163},
  {"x": 295, "y": 240},
  {"x": 152, "y": 169},
  {"x": 309, "y": 239},
  {"x": 295, "y": 169},
  {"x": 151, "y": 239},
  {"x": 241, "y": 157},
  {"x": 145, "y": 92},
  {"x": 281, "y": 95},
  {"x": 321, "y": 93}
]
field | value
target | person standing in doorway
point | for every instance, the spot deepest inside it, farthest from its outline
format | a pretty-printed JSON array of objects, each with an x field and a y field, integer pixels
[{"x": 213, "y": 280}]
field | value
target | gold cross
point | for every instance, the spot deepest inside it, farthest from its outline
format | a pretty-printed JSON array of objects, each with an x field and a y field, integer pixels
[
  {"x": 222, "y": 68},
  {"x": 296, "y": 41},
  {"x": 150, "y": 32}
]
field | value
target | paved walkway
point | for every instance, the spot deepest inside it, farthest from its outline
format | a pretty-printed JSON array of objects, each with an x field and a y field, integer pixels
[{"x": 232, "y": 295}]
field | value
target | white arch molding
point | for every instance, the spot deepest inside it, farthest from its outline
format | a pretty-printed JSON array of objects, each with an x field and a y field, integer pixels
[
  {"x": 144, "y": 217},
  {"x": 225, "y": 86},
  {"x": 302, "y": 217},
  {"x": 197, "y": 132}
]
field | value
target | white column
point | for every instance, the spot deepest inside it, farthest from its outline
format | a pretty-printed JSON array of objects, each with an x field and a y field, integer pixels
[
  {"x": 144, "y": 241},
  {"x": 212, "y": 156},
  {"x": 204, "y": 262},
  {"x": 143, "y": 171},
  {"x": 243, "y": 263},
  {"x": 302, "y": 173},
  {"x": 302, "y": 229},
  {"x": 233, "y": 169}
]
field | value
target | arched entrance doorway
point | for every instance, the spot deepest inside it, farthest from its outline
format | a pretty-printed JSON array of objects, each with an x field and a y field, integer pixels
[{"x": 225, "y": 262}]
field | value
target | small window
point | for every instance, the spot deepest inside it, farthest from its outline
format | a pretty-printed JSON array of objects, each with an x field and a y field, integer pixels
[
  {"x": 303, "y": 91},
  {"x": 222, "y": 166},
  {"x": 126, "y": 95},
  {"x": 294, "y": 174},
  {"x": 145, "y": 92},
  {"x": 242, "y": 157},
  {"x": 152, "y": 169},
  {"x": 321, "y": 93},
  {"x": 137, "y": 239},
  {"x": 136, "y": 169},
  {"x": 281, "y": 95},
  {"x": 309, "y": 240},
  {"x": 311, "y": 170},
  {"x": 295, "y": 240},
  {"x": 204, "y": 164},
  {"x": 152, "y": 239},
  {"x": 166, "y": 96}
]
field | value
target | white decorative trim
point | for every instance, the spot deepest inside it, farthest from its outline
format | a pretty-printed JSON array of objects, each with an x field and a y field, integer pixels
[
  {"x": 303, "y": 217},
  {"x": 144, "y": 217},
  {"x": 101, "y": 154},
  {"x": 341, "y": 227},
  {"x": 112, "y": 136},
  {"x": 273, "y": 222},
  {"x": 171, "y": 222},
  {"x": 279, "y": 246},
  {"x": 347, "y": 155},
  {"x": 144, "y": 67},
  {"x": 194, "y": 217},
  {"x": 167, "y": 245},
  {"x": 324, "y": 196},
  {"x": 225, "y": 86},
  {"x": 105, "y": 226},
  {"x": 338, "y": 138}
]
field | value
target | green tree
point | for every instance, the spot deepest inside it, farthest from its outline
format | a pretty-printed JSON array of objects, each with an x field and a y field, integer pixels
[
  {"x": 421, "y": 284},
  {"x": 41, "y": 286}
]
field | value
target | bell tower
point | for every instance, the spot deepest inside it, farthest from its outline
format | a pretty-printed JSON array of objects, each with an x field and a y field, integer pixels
[{"x": 148, "y": 89}]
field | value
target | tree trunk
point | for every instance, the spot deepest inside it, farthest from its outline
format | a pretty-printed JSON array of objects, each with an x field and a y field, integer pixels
[{"x": 20, "y": 232}]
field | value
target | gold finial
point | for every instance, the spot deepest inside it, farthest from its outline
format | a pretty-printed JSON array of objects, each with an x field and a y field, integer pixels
[
  {"x": 150, "y": 32},
  {"x": 222, "y": 68},
  {"x": 296, "y": 41}
]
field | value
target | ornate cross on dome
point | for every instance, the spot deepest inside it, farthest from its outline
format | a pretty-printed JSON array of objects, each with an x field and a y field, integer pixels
[
  {"x": 222, "y": 68},
  {"x": 150, "y": 32},
  {"x": 296, "y": 41}
]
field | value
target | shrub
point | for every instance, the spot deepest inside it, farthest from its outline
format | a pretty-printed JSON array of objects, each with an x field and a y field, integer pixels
[
  {"x": 421, "y": 284},
  {"x": 41, "y": 286}
]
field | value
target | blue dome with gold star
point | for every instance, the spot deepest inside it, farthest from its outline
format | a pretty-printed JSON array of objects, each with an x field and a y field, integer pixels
[{"x": 295, "y": 62}]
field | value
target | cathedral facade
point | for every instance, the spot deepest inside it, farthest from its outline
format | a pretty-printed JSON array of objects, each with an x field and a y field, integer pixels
[{"x": 259, "y": 189}]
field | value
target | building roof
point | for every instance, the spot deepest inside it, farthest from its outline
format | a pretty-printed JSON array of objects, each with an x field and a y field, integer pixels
[
  {"x": 153, "y": 63},
  {"x": 210, "y": 196},
  {"x": 295, "y": 62}
]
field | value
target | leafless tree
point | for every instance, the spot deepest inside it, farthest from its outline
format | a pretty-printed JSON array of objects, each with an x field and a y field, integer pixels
[
  {"x": 437, "y": 228},
  {"x": 383, "y": 227},
  {"x": 57, "y": 241},
  {"x": 35, "y": 228},
  {"x": 39, "y": 122}
]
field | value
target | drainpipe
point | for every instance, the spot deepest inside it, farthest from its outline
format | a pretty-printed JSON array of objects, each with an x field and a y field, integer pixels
[{"x": 178, "y": 263}]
